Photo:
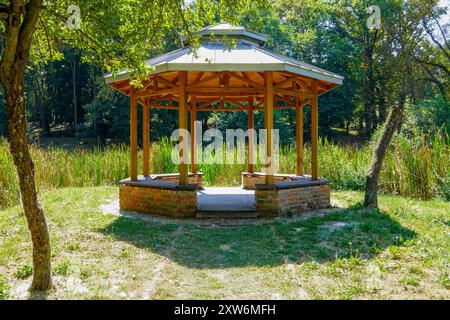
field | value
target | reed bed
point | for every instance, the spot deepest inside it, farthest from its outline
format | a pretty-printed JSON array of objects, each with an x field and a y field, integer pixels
[{"x": 414, "y": 167}]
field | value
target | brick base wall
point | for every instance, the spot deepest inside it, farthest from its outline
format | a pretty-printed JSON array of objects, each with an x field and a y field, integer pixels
[
  {"x": 172, "y": 203},
  {"x": 250, "y": 180},
  {"x": 175, "y": 177},
  {"x": 272, "y": 202}
]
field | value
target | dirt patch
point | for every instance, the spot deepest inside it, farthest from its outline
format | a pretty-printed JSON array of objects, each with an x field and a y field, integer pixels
[
  {"x": 112, "y": 207},
  {"x": 225, "y": 247},
  {"x": 335, "y": 226}
]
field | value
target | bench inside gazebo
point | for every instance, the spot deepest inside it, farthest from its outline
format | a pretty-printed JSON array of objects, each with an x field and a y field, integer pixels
[{"x": 219, "y": 76}]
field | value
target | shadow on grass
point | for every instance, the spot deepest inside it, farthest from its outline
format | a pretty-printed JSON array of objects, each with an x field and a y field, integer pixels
[{"x": 352, "y": 232}]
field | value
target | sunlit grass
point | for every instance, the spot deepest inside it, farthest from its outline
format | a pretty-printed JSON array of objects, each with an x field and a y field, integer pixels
[{"x": 399, "y": 252}]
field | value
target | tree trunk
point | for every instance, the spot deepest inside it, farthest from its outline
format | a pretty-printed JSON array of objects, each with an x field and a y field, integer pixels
[
  {"x": 74, "y": 85},
  {"x": 42, "y": 107},
  {"x": 37, "y": 224},
  {"x": 369, "y": 85},
  {"x": 20, "y": 27},
  {"x": 369, "y": 103},
  {"x": 379, "y": 153}
]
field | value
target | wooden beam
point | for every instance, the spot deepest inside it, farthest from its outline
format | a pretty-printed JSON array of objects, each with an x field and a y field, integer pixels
[
  {"x": 164, "y": 107},
  {"x": 268, "y": 115},
  {"x": 299, "y": 137},
  {"x": 146, "y": 86},
  {"x": 212, "y": 101},
  {"x": 220, "y": 109},
  {"x": 165, "y": 81},
  {"x": 198, "y": 78},
  {"x": 133, "y": 136},
  {"x": 261, "y": 75},
  {"x": 314, "y": 132},
  {"x": 182, "y": 119},
  {"x": 245, "y": 80},
  {"x": 235, "y": 102},
  {"x": 122, "y": 86},
  {"x": 251, "y": 137},
  {"x": 225, "y": 90},
  {"x": 207, "y": 79},
  {"x": 152, "y": 93},
  {"x": 193, "y": 134},
  {"x": 146, "y": 139},
  {"x": 215, "y": 93},
  {"x": 302, "y": 83},
  {"x": 282, "y": 83},
  {"x": 294, "y": 93},
  {"x": 275, "y": 108}
]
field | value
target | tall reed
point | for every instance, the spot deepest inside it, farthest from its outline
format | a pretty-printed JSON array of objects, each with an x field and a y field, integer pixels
[{"x": 414, "y": 166}]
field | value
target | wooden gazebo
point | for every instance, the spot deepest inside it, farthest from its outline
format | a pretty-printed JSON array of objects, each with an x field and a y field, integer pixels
[{"x": 230, "y": 71}]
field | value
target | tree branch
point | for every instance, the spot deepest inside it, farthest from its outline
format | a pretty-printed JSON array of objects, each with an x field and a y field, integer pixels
[
  {"x": 4, "y": 13},
  {"x": 32, "y": 9},
  {"x": 432, "y": 37},
  {"x": 11, "y": 37},
  {"x": 437, "y": 65}
]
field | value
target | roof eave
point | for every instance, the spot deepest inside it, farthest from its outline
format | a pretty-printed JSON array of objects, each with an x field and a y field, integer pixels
[{"x": 214, "y": 67}]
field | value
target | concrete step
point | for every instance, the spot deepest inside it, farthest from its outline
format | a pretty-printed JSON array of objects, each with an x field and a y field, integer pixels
[{"x": 227, "y": 214}]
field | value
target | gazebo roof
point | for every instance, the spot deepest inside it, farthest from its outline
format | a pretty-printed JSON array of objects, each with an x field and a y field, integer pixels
[
  {"x": 216, "y": 55},
  {"x": 225, "y": 29}
]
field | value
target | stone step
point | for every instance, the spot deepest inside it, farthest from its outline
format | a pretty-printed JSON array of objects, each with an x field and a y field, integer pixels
[{"x": 227, "y": 214}]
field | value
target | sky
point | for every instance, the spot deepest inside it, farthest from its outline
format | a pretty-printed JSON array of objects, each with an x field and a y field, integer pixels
[{"x": 445, "y": 3}]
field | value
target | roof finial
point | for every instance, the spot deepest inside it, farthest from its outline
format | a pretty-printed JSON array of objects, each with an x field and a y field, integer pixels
[{"x": 226, "y": 29}]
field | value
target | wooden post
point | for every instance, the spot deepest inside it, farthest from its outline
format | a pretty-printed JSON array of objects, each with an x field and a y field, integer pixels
[
  {"x": 299, "y": 137},
  {"x": 182, "y": 119},
  {"x": 251, "y": 136},
  {"x": 133, "y": 136},
  {"x": 314, "y": 132},
  {"x": 193, "y": 134},
  {"x": 268, "y": 115},
  {"x": 146, "y": 139}
]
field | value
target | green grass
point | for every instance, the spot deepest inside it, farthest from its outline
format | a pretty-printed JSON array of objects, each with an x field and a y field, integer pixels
[
  {"x": 414, "y": 167},
  {"x": 4, "y": 288},
  {"x": 24, "y": 272},
  {"x": 401, "y": 251}
]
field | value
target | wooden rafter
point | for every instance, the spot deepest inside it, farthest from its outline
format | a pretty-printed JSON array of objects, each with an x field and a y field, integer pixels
[
  {"x": 208, "y": 103},
  {"x": 207, "y": 79},
  {"x": 235, "y": 102},
  {"x": 293, "y": 93},
  {"x": 245, "y": 80},
  {"x": 243, "y": 75},
  {"x": 156, "y": 93},
  {"x": 221, "y": 109},
  {"x": 169, "y": 107},
  {"x": 224, "y": 91},
  {"x": 303, "y": 85},
  {"x": 261, "y": 75},
  {"x": 284, "y": 82},
  {"x": 165, "y": 81},
  {"x": 199, "y": 77},
  {"x": 122, "y": 86}
]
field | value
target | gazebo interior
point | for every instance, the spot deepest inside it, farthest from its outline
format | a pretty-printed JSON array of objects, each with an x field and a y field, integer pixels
[{"x": 230, "y": 71}]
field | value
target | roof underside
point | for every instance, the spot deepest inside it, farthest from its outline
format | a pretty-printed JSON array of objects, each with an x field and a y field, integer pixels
[
  {"x": 224, "y": 90},
  {"x": 220, "y": 72}
]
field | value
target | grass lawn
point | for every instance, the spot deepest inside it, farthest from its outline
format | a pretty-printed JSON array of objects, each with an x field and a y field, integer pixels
[{"x": 400, "y": 252}]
